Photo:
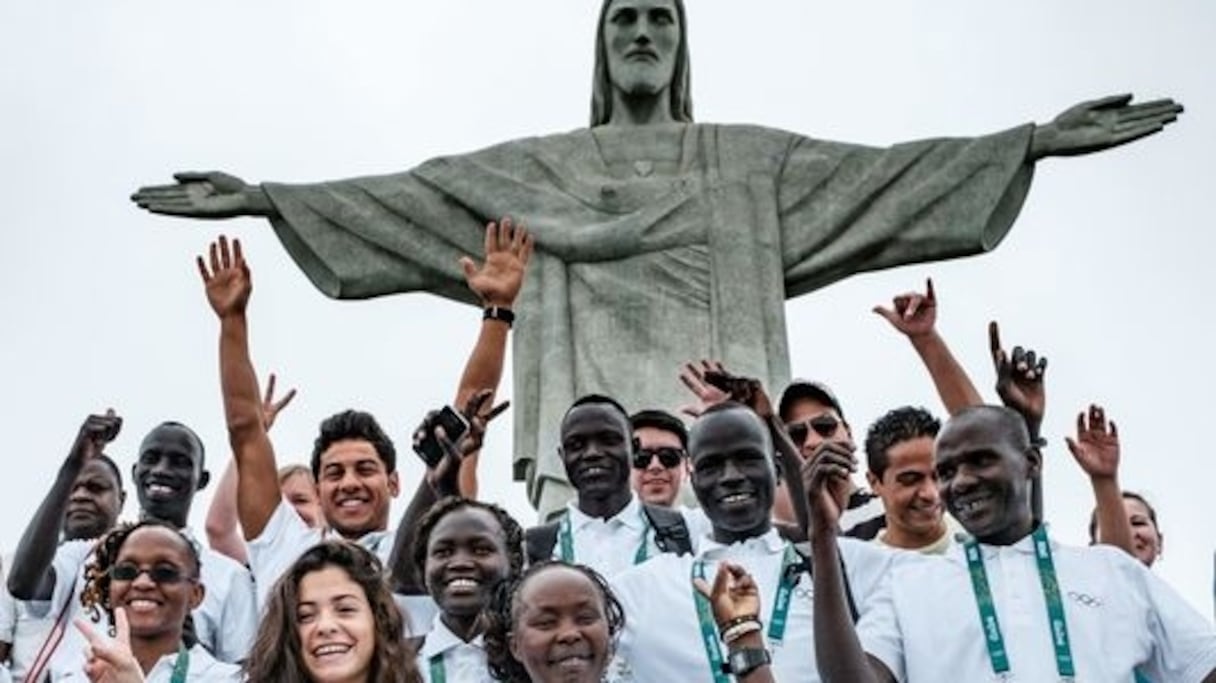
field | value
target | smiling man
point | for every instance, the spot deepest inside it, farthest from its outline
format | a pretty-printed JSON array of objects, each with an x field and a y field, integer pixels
[
  {"x": 606, "y": 526},
  {"x": 660, "y": 462},
  {"x": 668, "y": 636},
  {"x": 1010, "y": 601}
]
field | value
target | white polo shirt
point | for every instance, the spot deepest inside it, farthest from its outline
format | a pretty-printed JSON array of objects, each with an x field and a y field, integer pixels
[
  {"x": 24, "y": 625},
  {"x": 924, "y": 623},
  {"x": 286, "y": 537},
  {"x": 203, "y": 669},
  {"x": 462, "y": 662},
  {"x": 610, "y": 546},
  {"x": 662, "y": 636}
]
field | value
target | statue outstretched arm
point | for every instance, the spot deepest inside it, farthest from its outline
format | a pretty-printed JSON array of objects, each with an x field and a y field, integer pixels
[
  {"x": 1101, "y": 124},
  {"x": 209, "y": 194}
]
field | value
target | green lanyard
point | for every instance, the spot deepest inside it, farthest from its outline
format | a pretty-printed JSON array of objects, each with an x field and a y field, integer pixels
[
  {"x": 181, "y": 666},
  {"x": 786, "y": 581},
  {"x": 438, "y": 672},
  {"x": 566, "y": 536},
  {"x": 997, "y": 654}
]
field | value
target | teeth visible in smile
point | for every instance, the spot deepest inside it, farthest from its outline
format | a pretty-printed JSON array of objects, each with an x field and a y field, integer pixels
[
  {"x": 159, "y": 489},
  {"x": 350, "y": 503},
  {"x": 326, "y": 650},
  {"x": 141, "y": 605},
  {"x": 462, "y": 583},
  {"x": 736, "y": 498}
]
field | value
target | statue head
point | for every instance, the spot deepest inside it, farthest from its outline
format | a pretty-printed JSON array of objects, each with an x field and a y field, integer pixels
[{"x": 613, "y": 71}]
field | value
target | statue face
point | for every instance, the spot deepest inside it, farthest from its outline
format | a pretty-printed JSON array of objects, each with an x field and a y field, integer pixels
[{"x": 642, "y": 38}]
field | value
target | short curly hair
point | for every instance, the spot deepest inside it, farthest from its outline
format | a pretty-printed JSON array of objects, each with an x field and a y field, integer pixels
[
  {"x": 513, "y": 533},
  {"x": 95, "y": 594},
  {"x": 503, "y": 612},
  {"x": 276, "y": 654},
  {"x": 353, "y": 424},
  {"x": 897, "y": 426}
]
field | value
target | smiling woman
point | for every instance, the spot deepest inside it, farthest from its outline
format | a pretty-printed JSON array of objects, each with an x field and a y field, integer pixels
[
  {"x": 151, "y": 571},
  {"x": 331, "y": 617}
]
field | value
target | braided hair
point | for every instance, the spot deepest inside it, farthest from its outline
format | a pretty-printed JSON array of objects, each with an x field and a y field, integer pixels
[
  {"x": 95, "y": 595},
  {"x": 503, "y": 612}
]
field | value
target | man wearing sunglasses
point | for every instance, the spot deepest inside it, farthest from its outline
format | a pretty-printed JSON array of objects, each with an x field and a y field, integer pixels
[
  {"x": 813, "y": 417},
  {"x": 660, "y": 462}
]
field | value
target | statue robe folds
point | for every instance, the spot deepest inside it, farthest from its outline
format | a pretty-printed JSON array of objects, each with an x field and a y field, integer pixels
[{"x": 632, "y": 276}]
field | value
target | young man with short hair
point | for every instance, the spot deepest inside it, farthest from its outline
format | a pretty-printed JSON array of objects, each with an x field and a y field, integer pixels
[
  {"x": 669, "y": 635},
  {"x": 660, "y": 463},
  {"x": 899, "y": 459},
  {"x": 1009, "y": 602}
]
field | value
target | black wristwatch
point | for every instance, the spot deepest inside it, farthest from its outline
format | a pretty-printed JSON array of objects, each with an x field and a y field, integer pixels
[{"x": 743, "y": 661}]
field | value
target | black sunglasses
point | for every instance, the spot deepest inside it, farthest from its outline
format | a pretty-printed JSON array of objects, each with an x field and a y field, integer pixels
[
  {"x": 163, "y": 574},
  {"x": 824, "y": 425},
  {"x": 668, "y": 457}
]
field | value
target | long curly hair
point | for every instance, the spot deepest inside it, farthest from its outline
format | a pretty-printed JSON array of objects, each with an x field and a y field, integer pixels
[
  {"x": 276, "y": 655},
  {"x": 513, "y": 534},
  {"x": 504, "y": 610},
  {"x": 95, "y": 594}
]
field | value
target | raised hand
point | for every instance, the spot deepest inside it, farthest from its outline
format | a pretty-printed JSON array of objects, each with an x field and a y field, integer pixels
[
  {"x": 1101, "y": 124},
  {"x": 692, "y": 375},
  {"x": 478, "y": 413},
  {"x": 507, "y": 250},
  {"x": 209, "y": 194},
  {"x": 912, "y": 313},
  {"x": 95, "y": 433},
  {"x": 826, "y": 481},
  {"x": 734, "y": 594},
  {"x": 228, "y": 281},
  {"x": 1019, "y": 380},
  {"x": 746, "y": 390},
  {"x": 110, "y": 661},
  {"x": 271, "y": 407},
  {"x": 1096, "y": 448}
]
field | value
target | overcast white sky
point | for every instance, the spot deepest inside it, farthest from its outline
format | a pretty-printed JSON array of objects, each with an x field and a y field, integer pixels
[{"x": 1108, "y": 270}]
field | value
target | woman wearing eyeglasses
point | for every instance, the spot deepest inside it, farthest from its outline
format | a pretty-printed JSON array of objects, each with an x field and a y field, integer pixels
[{"x": 144, "y": 579}]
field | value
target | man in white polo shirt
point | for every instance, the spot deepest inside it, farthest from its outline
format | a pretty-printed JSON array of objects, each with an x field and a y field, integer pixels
[
  {"x": 666, "y": 638},
  {"x": 1011, "y": 602}
]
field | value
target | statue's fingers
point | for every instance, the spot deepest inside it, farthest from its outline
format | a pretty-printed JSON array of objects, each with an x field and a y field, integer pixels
[
  {"x": 1126, "y": 135},
  {"x": 1163, "y": 114},
  {"x": 193, "y": 176},
  {"x": 160, "y": 192},
  {"x": 1109, "y": 102},
  {"x": 1162, "y": 105}
]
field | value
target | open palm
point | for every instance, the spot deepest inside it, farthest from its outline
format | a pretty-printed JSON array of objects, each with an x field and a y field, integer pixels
[{"x": 227, "y": 280}]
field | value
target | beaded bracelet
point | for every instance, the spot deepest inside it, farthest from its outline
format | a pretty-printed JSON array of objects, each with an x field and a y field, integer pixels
[{"x": 733, "y": 633}]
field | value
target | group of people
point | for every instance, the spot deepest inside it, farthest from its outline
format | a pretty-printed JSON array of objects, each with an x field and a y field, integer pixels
[{"x": 784, "y": 570}]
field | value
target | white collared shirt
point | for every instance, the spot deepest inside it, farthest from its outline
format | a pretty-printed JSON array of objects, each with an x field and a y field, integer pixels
[
  {"x": 939, "y": 547},
  {"x": 203, "y": 669},
  {"x": 924, "y": 623},
  {"x": 286, "y": 537},
  {"x": 662, "y": 636},
  {"x": 462, "y": 662},
  {"x": 25, "y": 625},
  {"x": 609, "y": 546}
]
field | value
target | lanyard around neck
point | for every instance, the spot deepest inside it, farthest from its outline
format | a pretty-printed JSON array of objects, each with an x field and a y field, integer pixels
[
  {"x": 566, "y": 538},
  {"x": 438, "y": 671},
  {"x": 181, "y": 665},
  {"x": 998, "y": 655},
  {"x": 786, "y": 581}
]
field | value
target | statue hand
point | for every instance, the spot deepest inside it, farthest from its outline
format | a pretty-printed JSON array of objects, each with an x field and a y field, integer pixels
[
  {"x": 228, "y": 281},
  {"x": 1101, "y": 124},
  {"x": 507, "y": 250},
  {"x": 199, "y": 195}
]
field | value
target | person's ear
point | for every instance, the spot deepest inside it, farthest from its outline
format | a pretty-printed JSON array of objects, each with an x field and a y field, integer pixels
[
  {"x": 394, "y": 484},
  {"x": 636, "y": 444},
  {"x": 204, "y": 478},
  {"x": 873, "y": 481},
  {"x": 513, "y": 645},
  {"x": 1034, "y": 462},
  {"x": 198, "y": 592}
]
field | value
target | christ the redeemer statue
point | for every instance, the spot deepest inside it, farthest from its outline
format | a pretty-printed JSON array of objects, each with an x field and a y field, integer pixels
[{"x": 658, "y": 240}]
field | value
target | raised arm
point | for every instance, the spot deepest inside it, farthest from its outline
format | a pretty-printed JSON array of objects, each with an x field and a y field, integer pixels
[
  {"x": 1019, "y": 383},
  {"x": 32, "y": 576},
  {"x": 223, "y": 524},
  {"x": 1100, "y": 124},
  {"x": 209, "y": 194},
  {"x": 440, "y": 481},
  {"x": 915, "y": 316},
  {"x": 838, "y": 650},
  {"x": 228, "y": 285},
  {"x": 1096, "y": 450},
  {"x": 496, "y": 282}
]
